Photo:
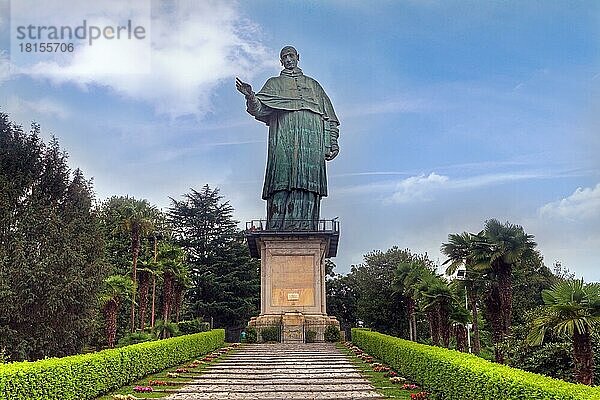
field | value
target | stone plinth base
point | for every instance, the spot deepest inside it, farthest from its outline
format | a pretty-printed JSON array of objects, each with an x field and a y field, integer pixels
[
  {"x": 292, "y": 274},
  {"x": 292, "y": 284},
  {"x": 293, "y": 326}
]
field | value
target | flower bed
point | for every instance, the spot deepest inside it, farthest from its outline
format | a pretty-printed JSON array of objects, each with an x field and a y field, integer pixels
[
  {"x": 382, "y": 375},
  {"x": 157, "y": 384},
  {"x": 87, "y": 376},
  {"x": 462, "y": 376}
]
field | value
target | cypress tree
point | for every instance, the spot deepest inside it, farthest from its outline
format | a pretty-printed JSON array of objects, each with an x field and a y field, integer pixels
[{"x": 50, "y": 248}]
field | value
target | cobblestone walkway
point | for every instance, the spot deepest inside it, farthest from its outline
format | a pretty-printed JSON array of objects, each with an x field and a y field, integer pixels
[{"x": 281, "y": 371}]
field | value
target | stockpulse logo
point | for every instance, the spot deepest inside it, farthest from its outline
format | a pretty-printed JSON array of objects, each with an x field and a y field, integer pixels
[{"x": 42, "y": 38}]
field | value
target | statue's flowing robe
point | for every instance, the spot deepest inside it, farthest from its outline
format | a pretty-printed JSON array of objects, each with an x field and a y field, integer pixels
[{"x": 297, "y": 110}]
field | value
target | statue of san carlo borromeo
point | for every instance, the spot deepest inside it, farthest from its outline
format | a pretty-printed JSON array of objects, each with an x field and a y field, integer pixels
[{"x": 303, "y": 134}]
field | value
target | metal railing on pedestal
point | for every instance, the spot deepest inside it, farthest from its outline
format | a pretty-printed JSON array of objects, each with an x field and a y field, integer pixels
[{"x": 322, "y": 225}]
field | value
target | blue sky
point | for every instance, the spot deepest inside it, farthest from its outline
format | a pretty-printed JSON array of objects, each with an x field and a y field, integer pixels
[{"x": 452, "y": 112}]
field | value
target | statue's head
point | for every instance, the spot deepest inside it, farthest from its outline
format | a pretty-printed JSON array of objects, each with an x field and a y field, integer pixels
[{"x": 289, "y": 57}]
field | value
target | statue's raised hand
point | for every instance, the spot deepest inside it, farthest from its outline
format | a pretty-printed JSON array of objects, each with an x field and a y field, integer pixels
[{"x": 244, "y": 88}]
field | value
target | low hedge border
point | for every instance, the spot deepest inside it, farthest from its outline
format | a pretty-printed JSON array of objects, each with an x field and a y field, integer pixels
[
  {"x": 87, "y": 376},
  {"x": 454, "y": 375}
]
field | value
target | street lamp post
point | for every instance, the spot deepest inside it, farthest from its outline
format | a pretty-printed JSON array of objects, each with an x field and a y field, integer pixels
[{"x": 461, "y": 275}]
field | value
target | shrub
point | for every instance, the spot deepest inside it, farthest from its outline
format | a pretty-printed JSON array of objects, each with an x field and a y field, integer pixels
[
  {"x": 251, "y": 335},
  {"x": 193, "y": 326},
  {"x": 165, "y": 330},
  {"x": 454, "y": 375},
  {"x": 310, "y": 336},
  {"x": 550, "y": 359},
  {"x": 133, "y": 338},
  {"x": 3, "y": 356},
  {"x": 270, "y": 334},
  {"x": 332, "y": 333},
  {"x": 86, "y": 376}
]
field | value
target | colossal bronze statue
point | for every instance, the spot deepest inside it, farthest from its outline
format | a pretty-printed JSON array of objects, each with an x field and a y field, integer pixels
[{"x": 303, "y": 134}]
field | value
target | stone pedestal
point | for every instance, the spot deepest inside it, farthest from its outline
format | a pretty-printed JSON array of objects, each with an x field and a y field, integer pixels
[
  {"x": 292, "y": 328},
  {"x": 293, "y": 283}
]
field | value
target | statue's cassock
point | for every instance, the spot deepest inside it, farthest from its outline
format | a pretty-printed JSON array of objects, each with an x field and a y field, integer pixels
[{"x": 302, "y": 126}]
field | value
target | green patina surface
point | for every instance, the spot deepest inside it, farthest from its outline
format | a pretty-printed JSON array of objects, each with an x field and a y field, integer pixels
[{"x": 303, "y": 133}]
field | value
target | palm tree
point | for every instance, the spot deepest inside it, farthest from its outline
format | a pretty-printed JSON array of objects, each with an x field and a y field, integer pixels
[
  {"x": 116, "y": 289},
  {"x": 406, "y": 278},
  {"x": 435, "y": 299},
  {"x": 459, "y": 318},
  {"x": 157, "y": 274},
  {"x": 138, "y": 221},
  {"x": 157, "y": 235},
  {"x": 501, "y": 247},
  {"x": 148, "y": 271},
  {"x": 572, "y": 309},
  {"x": 460, "y": 251},
  {"x": 171, "y": 261},
  {"x": 181, "y": 283}
]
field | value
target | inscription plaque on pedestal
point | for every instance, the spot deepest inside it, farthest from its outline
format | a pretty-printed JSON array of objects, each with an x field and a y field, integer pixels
[{"x": 292, "y": 279}]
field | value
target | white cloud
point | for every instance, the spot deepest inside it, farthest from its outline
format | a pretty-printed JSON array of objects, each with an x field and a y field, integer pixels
[
  {"x": 177, "y": 153},
  {"x": 196, "y": 46},
  {"x": 418, "y": 188},
  {"x": 425, "y": 187},
  {"x": 4, "y": 67},
  {"x": 492, "y": 179},
  {"x": 44, "y": 105},
  {"x": 371, "y": 173},
  {"x": 584, "y": 203}
]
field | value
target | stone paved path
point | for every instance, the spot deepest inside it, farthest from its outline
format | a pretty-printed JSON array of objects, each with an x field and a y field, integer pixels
[{"x": 280, "y": 371}]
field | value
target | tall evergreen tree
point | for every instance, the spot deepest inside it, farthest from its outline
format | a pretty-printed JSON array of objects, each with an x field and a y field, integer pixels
[
  {"x": 225, "y": 282},
  {"x": 50, "y": 248}
]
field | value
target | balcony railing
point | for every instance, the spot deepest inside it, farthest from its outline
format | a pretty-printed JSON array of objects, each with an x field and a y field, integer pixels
[{"x": 322, "y": 225}]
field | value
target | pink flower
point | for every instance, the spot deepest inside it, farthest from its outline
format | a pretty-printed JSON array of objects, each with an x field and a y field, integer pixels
[{"x": 142, "y": 389}]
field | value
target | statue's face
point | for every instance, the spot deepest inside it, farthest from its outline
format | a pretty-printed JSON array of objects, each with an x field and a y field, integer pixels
[{"x": 289, "y": 59}]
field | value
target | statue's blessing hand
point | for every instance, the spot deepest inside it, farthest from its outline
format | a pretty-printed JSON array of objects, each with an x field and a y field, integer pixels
[{"x": 243, "y": 87}]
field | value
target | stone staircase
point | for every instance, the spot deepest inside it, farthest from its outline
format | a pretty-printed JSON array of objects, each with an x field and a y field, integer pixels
[{"x": 281, "y": 371}]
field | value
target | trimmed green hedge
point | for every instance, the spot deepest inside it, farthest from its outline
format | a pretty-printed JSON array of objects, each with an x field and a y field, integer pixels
[
  {"x": 87, "y": 376},
  {"x": 461, "y": 376}
]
